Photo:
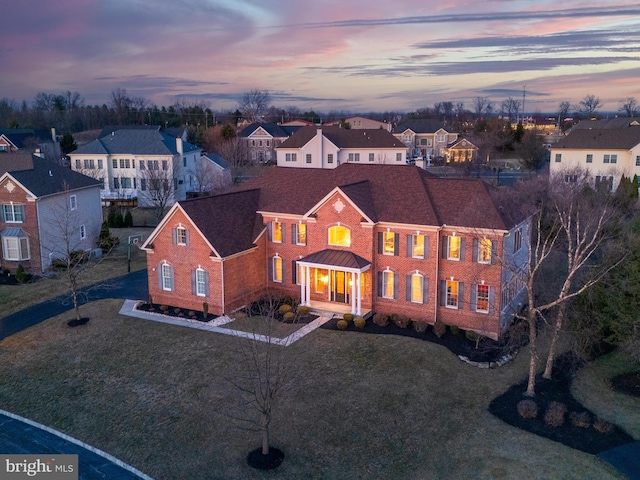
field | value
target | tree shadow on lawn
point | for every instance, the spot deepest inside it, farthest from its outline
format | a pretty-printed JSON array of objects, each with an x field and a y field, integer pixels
[{"x": 587, "y": 439}]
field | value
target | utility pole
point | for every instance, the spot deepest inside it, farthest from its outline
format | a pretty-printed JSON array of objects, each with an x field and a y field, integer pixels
[{"x": 524, "y": 89}]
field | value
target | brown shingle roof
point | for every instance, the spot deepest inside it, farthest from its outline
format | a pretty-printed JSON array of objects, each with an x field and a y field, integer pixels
[
  {"x": 345, "y": 138},
  {"x": 601, "y": 139},
  {"x": 385, "y": 193}
]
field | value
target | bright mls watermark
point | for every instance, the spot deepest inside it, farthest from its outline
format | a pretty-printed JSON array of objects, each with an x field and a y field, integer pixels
[{"x": 49, "y": 467}]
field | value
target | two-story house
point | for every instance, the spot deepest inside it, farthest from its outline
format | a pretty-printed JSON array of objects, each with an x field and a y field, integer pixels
[
  {"x": 139, "y": 163},
  {"x": 605, "y": 153},
  {"x": 29, "y": 140},
  {"x": 358, "y": 122},
  {"x": 328, "y": 147},
  {"x": 262, "y": 139},
  {"x": 47, "y": 211},
  {"x": 426, "y": 138},
  {"x": 351, "y": 237}
]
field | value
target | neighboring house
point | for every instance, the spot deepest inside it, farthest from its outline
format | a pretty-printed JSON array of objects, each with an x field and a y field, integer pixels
[
  {"x": 462, "y": 150},
  {"x": 606, "y": 153},
  {"x": 176, "y": 132},
  {"x": 358, "y": 123},
  {"x": 47, "y": 210},
  {"x": 211, "y": 173},
  {"x": 29, "y": 140},
  {"x": 609, "y": 123},
  {"x": 263, "y": 138},
  {"x": 424, "y": 138},
  {"x": 349, "y": 238},
  {"x": 139, "y": 163},
  {"x": 328, "y": 147}
]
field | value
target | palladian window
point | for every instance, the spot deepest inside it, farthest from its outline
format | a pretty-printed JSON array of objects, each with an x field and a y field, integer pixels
[{"x": 340, "y": 236}]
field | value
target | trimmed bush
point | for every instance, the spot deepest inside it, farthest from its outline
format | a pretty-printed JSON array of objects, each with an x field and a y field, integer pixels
[
  {"x": 342, "y": 324},
  {"x": 288, "y": 317},
  {"x": 455, "y": 330},
  {"x": 191, "y": 313},
  {"x": 580, "y": 419},
  {"x": 303, "y": 310},
  {"x": 420, "y": 326},
  {"x": 164, "y": 308},
  {"x": 602, "y": 425},
  {"x": 554, "y": 417},
  {"x": 439, "y": 329},
  {"x": 128, "y": 219},
  {"x": 348, "y": 317},
  {"x": 285, "y": 309},
  {"x": 359, "y": 322},
  {"x": 470, "y": 335},
  {"x": 401, "y": 321},
  {"x": 21, "y": 275},
  {"x": 527, "y": 408},
  {"x": 177, "y": 310},
  {"x": 381, "y": 319}
]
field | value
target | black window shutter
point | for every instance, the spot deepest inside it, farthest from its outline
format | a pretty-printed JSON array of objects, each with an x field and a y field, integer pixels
[
  {"x": 409, "y": 289},
  {"x": 380, "y": 242}
]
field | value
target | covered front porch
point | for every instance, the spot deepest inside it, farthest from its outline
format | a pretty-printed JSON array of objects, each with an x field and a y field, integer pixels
[{"x": 334, "y": 278}]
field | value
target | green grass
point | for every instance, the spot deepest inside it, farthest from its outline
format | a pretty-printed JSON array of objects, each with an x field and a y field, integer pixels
[{"x": 358, "y": 406}]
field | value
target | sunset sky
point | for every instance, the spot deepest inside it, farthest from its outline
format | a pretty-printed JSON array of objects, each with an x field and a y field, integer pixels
[{"x": 349, "y": 55}]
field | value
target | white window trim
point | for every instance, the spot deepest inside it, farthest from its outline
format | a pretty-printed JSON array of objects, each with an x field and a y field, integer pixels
[
  {"x": 479, "y": 253},
  {"x": 385, "y": 275},
  {"x": 166, "y": 269},
  {"x": 338, "y": 244},
  {"x": 384, "y": 244},
  {"x": 478, "y": 298},
  {"x": 298, "y": 242},
  {"x": 83, "y": 232},
  {"x": 418, "y": 275},
  {"x": 276, "y": 270},
  {"x": 12, "y": 206},
  {"x": 273, "y": 229},
  {"x": 181, "y": 233},
  {"x": 446, "y": 303},
  {"x": 413, "y": 246},
  {"x": 201, "y": 284},
  {"x": 5, "y": 248},
  {"x": 449, "y": 257}
]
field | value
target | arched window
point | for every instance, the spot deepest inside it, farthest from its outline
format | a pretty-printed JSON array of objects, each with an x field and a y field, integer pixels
[{"x": 339, "y": 236}]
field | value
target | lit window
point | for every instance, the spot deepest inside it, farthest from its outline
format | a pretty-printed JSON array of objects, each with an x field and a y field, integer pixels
[
  {"x": 417, "y": 288},
  {"x": 389, "y": 244},
  {"x": 73, "y": 202},
  {"x": 482, "y": 298},
  {"x": 181, "y": 236},
  {"x": 300, "y": 233},
  {"x": 167, "y": 277},
  {"x": 276, "y": 232},
  {"x": 340, "y": 236},
  {"x": 277, "y": 269},
  {"x": 201, "y": 282},
  {"x": 452, "y": 294},
  {"x": 12, "y": 213},
  {"x": 16, "y": 248},
  {"x": 417, "y": 246},
  {"x": 388, "y": 284},
  {"x": 453, "y": 252},
  {"x": 484, "y": 250}
]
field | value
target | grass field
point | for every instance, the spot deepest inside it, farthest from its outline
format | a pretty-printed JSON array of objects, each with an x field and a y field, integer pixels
[{"x": 358, "y": 406}]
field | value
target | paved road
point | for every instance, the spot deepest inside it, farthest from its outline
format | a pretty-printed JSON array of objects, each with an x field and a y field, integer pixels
[
  {"x": 21, "y": 436},
  {"x": 133, "y": 286}
]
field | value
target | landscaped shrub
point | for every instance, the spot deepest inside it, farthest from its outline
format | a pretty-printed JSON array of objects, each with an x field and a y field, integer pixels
[
  {"x": 285, "y": 309},
  {"x": 164, "y": 308},
  {"x": 191, "y": 313},
  {"x": 554, "y": 417},
  {"x": 401, "y": 321},
  {"x": 420, "y": 326},
  {"x": 602, "y": 425},
  {"x": 348, "y": 317},
  {"x": 527, "y": 408},
  {"x": 470, "y": 335},
  {"x": 6, "y": 272},
  {"x": 21, "y": 275},
  {"x": 380, "y": 319},
  {"x": 580, "y": 419},
  {"x": 359, "y": 322},
  {"x": 342, "y": 324},
  {"x": 177, "y": 310},
  {"x": 288, "y": 317},
  {"x": 303, "y": 310},
  {"x": 455, "y": 330},
  {"x": 439, "y": 328}
]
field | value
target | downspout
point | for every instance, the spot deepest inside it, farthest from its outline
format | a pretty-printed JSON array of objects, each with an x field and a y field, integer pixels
[
  {"x": 437, "y": 282},
  {"x": 39, "y": 236},
  {"x": 222, "y": 285}
]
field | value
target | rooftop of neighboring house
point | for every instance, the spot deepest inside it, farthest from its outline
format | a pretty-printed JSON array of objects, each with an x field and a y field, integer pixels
[
  {"x": 144, "y": 141},
  {"x": 27, "y": 138},
  {"x": 383, "y": 193},
  {"x": 173, "y": 131},
  {"x": 419, "y": 125},
  {"x": 601, "y": 139},
  {"x": 218, "y": 160},
  {"x": 609, "y": 123},
  {"x": 345, "y": 138},
  {"x": 43, "y": 177},
  {"x": 274, "y": 129}
]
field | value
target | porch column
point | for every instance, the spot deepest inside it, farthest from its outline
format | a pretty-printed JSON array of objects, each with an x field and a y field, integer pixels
[
  {"x": 359, "y": 297},
  {"x": 307, "y": 286},
  {"x": 303, "y": 289},
  {"x": 354, "y": 300}
]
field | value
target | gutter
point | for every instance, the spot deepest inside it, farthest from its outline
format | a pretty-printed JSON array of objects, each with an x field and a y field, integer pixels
[{"x": 437, "y": 282}]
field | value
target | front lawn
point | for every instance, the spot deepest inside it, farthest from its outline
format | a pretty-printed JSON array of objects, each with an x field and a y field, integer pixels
[{"x": 359, "y": 406}]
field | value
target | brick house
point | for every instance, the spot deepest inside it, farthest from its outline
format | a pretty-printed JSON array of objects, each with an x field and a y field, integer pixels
[
  {"x": 263, "y": 138},
  {"x": 371, "y": 238},
  {"x": 46, "y": 209},
  {"x": 426, "y": 138}
]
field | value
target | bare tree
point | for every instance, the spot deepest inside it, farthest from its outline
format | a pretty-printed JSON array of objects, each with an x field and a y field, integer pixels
[
  {"x": 589, "y": 104},
  {"x": 235, "y": 151},
  {"x": 511, "y": 108},
  {"x": 531, "y": 151},
  {"x": 563, "y": 112},
  {"x": 254, "y": 104},
  {"x": 158, "y": 184},
  {"x": 121, "y": 103},
  {"x": 630, "y": 106},
  {"x": 208, "y": 177},
  {"x": 480, "y": 105}
]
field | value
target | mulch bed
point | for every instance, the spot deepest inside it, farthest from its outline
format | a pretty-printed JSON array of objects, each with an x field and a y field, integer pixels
[
  {"x": 627, "y": 383},
  {"x": 273, "y": 459},
  {"x": 175, "y": 312},
  {"x": 588, "y": 439},
  {"x": 11, "y": 279},
  {"x": 488, "y": 350}
]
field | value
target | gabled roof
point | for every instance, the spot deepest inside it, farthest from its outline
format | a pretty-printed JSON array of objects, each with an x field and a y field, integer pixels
[
  {"x": 134, "y": 142},
  {"x": 345, "y": 138},
  {"x": 48, "y": 178},
  {"x": 402, "y": 194},
  {"x": 218, "y": 160},
  {"x": 15, "y": 161},
  {"x": 601, "y": 139},
  {"x": 609, "y": 123},
  {"x": 26, "y": 137},
  {"x": 462, "y": 143},
  {"x": 419, "y": 125},
  {"x": 273, "y": 129}
]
